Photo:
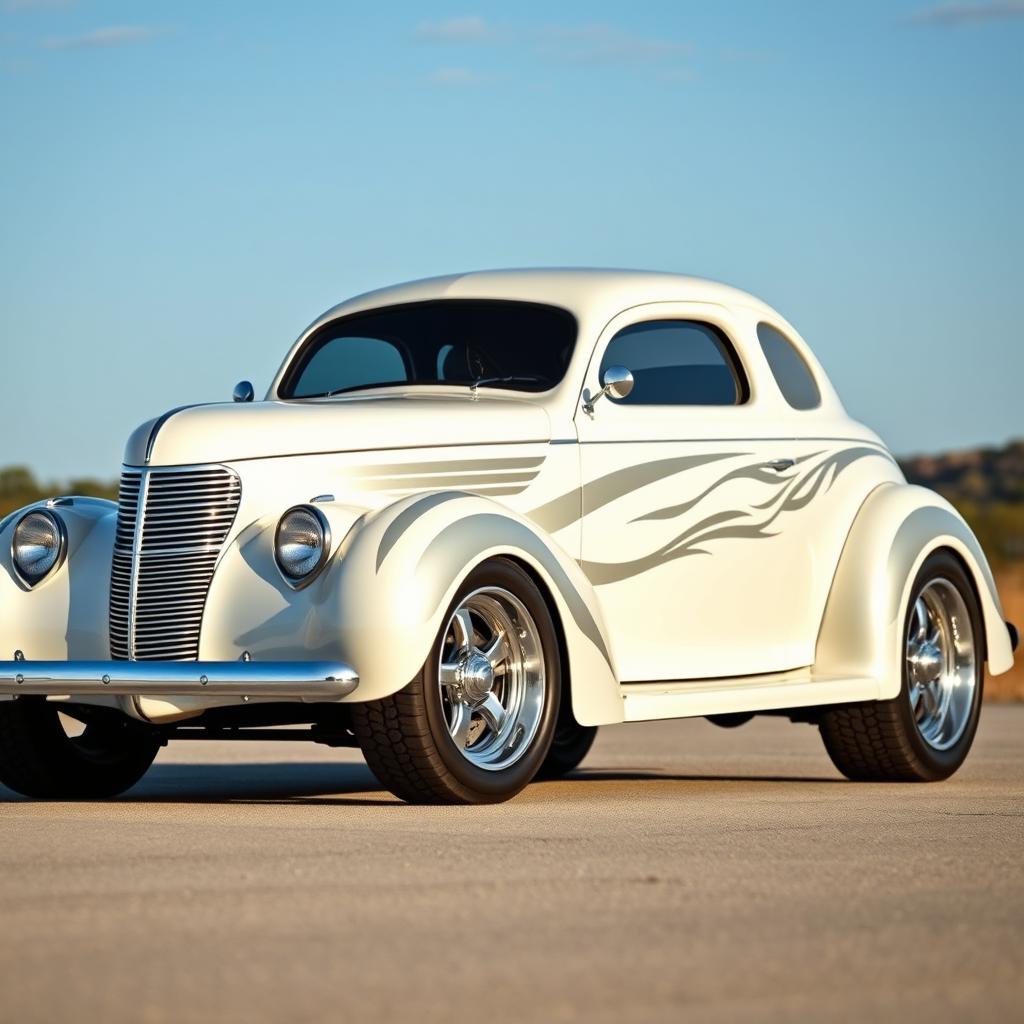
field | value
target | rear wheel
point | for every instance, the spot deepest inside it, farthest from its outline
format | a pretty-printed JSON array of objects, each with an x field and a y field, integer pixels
[
  {"x": 476, "y": 723},
  {"x": 924, "y": 733},
  {"x": 40, "y": 758}
]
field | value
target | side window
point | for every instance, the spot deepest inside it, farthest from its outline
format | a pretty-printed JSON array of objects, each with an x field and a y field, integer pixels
[
  {"x": 351, "y": 362},
  {"x": 792, "y": 374},
  {"x": 677, "y": 362}
]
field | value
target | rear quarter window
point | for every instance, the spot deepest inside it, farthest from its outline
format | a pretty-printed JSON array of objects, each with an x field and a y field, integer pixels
[{"x": 791, "y": 373}]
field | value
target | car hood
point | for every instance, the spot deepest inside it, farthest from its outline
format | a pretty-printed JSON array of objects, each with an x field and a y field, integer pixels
[{"x": 258, "y": 430}]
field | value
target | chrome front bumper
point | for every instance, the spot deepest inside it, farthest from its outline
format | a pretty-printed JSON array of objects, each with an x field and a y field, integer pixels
[{"x": 286, "y": 680}]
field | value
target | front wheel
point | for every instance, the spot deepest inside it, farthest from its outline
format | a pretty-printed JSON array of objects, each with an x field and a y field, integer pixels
[
  {"x": 39, "y": 758},
  {"x": 476, "y": 723},
  {"x": 924, "y": 733}
]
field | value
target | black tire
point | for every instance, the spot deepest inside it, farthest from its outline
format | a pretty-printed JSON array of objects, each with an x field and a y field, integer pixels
[
  {"x": 39, "y": 759},
  {"x": 570, "y": 744},
  {"x": 732, "y": 720},
  {"x": 405, "y": 737},
  {"x": 879, "y": 741}
]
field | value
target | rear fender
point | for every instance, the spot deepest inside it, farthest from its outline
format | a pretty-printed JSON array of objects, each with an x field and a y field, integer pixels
[{"x": 896, "y": 529}]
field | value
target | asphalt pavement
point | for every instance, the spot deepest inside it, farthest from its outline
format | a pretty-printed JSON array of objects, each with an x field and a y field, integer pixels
[{"x": 685, "y": 872}]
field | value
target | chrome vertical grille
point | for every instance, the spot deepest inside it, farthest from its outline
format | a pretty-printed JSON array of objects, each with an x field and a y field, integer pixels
[{"x": 171, "y": 526}]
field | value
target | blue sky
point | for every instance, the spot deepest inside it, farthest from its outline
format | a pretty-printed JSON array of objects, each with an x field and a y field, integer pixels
[{"x": 183, "y": 186}]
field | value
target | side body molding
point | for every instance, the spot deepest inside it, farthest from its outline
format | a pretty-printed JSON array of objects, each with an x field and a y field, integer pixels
[
  {"x": 399, "y": 569},
  {"x": 896, "y": 529}
]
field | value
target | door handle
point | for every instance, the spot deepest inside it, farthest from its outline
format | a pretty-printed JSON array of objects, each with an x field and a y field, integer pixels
[{"x": 780, "y": 464}]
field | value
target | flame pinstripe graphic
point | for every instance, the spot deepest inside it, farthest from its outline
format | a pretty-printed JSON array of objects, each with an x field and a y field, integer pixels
[
  {"x": 791, "y": 493},
  {"x": 568, "y": 508},
  {"x": 759, "y": 472}
]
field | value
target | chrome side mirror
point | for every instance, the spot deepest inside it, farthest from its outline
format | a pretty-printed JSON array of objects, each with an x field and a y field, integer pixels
[
  {"x": 243, "y": 391},
  {"x": 616, "y": 382}
]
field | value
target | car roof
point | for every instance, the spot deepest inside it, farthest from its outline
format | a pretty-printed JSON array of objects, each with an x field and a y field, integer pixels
[
  {"x": 586, "y": 292},
  {"x": 594, "y": 296}
]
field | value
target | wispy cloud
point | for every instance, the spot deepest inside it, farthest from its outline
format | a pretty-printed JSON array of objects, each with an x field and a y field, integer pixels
[
  {"x": 596, "y": 43},
  {"x": 606, "y": 44},
  {"x": 469, "y": 29},
  {"x": 455, "y": 77},
  {"x": 115, "y": 35},
  {"x": 953, "y": 14}
]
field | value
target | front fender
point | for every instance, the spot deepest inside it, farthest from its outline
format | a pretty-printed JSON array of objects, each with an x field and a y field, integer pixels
[
  {"x": 896, "y": 529},
  {"x": 380, "y": 603},
  {"x": 404, "y": 567},
  {"x": 65, "y": 616}
]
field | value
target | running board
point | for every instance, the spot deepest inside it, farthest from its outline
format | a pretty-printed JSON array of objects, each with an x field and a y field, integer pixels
[{"x": 644, "y": 702}]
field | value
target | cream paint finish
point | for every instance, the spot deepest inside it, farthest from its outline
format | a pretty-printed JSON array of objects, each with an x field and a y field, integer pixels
[
  {"x": 367, "y": 421},
  {"x": 791, "y": 593},
  {"x": 743, "y": 554}
]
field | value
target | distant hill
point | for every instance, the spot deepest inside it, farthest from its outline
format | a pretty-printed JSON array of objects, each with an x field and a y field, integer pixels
[
  {"x": 986, "y": 484},
  {"x": 985, "y": 475}
]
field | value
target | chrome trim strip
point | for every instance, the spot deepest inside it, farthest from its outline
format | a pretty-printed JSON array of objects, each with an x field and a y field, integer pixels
[
  {"x": 133, "y": 580},
  {"x": 305, "y": 680}
]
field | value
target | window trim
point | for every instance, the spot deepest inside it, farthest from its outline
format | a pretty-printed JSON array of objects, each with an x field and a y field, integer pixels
[{"x": 730, "y": 355}]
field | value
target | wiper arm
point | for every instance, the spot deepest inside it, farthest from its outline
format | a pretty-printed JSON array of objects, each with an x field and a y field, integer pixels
[{"x": 518, "y": 378}]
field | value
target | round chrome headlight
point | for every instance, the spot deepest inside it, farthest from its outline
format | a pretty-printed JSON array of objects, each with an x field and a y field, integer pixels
[
  {"x": 302, "y": 544},
  {"x": 39, "y": 545}
]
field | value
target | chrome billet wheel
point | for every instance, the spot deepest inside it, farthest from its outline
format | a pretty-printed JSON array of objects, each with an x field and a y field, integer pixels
[
  {"x": 941, "y": 664},
  {"x": 476, "y": 723},
  {"x": 492, "y": 678}
]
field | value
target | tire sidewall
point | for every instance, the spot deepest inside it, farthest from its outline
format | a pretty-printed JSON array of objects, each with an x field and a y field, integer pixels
[
  {"x": 497, "y": 572},
  {"x": 942, "y": 763}
]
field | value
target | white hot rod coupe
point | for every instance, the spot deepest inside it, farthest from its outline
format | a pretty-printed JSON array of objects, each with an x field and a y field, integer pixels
[{"x": 478, "y": 516}]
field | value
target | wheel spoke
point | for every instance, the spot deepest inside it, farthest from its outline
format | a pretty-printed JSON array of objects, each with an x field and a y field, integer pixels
[
  {"x": 492, "y": 712},
  {"x": 460, "y": 727},
  {"x": 915, "y": 699},
  {"x": 462, "y": 623},
  {"x": 921, "y": 618},
  {"x": 495, "y": 651},
  {"x": 449, "y": 673}
]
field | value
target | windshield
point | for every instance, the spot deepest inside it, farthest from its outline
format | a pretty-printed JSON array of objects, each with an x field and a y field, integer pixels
[{"x": 517, "y": 345}]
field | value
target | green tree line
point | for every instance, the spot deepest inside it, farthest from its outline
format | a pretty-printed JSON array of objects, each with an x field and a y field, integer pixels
[{"x": 19, "y": 486}]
